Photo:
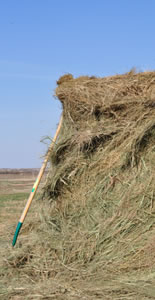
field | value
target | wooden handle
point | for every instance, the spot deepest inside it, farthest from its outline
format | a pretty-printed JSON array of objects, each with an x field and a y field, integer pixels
[{"x": 36, "y": 184}]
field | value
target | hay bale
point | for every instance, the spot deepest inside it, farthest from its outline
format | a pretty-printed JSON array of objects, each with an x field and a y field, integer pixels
[
  {"x": 101, "y": 182},
  {"x": 97, "y": 238}
]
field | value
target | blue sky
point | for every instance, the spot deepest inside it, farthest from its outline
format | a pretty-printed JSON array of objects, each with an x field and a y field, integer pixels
[{"x": 40, "y": 40}]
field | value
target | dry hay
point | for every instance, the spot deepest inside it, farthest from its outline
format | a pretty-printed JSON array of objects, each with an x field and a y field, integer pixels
[{"x": 98, "y": 236}]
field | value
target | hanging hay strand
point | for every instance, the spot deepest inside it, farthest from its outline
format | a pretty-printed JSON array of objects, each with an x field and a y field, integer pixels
[{"x": 98, "y": 228}]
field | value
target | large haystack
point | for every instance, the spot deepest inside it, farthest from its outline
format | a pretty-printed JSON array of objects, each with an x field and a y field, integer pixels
[
  {"x": 101, "y": 183},
  {"x": 98, "y": 235}
]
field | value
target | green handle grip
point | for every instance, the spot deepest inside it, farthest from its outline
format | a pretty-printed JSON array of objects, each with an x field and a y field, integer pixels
[{"x": 19, "y": 225}]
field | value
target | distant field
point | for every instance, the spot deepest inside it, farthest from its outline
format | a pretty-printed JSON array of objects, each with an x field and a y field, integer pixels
[{"x": 14, "y": 181}]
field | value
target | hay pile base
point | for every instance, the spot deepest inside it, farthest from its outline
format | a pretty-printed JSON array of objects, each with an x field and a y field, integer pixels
[{"x": 98, "y": 235}]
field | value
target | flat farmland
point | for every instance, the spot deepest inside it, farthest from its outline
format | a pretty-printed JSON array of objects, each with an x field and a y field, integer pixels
[{"x": 17, "y": 181}]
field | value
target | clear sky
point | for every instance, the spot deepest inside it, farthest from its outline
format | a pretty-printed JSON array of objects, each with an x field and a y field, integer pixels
[{"x": 40, "y": 40}]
